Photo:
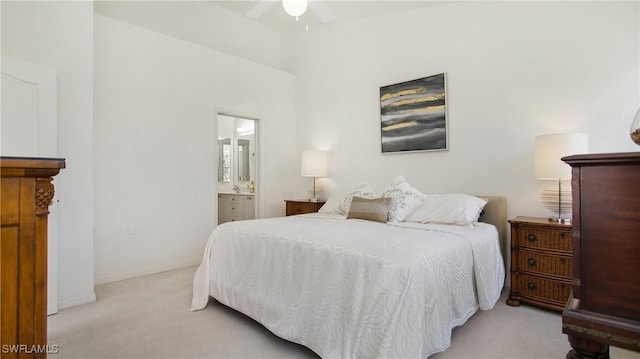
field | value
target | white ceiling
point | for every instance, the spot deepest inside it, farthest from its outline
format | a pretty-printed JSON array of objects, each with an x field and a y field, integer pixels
[{"x": 277, "y": 19}]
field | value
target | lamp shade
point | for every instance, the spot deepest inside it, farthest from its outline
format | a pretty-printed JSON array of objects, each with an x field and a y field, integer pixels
[
  {"x": 549, "y": 149},
  {"x": 295, "y": 7},
  {"x": 314, "y": 163}
]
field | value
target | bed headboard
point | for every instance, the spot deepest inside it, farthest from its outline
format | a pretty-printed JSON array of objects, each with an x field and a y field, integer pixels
[{"x": 495, "y": 212}]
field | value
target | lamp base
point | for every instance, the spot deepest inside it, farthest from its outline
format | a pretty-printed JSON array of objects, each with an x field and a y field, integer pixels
[
  {"x": 314, "y": 200},
  {"x": 560, "y": 220},
  {"x": 557, "y": 199}
]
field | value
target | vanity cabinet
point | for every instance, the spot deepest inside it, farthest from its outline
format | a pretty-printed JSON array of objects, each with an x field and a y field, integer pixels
[{"x": 235, "y": 207}]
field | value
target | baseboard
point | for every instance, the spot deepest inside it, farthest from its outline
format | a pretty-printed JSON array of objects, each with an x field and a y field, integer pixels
[
  {"x": 143, "y": 272},
  {"x": 68, "y": 303}
]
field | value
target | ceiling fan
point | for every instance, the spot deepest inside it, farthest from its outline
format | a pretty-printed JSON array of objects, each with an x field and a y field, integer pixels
[{"x": 295, "y": 8}]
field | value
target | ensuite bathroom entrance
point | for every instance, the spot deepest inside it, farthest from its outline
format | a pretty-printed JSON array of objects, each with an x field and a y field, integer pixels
[{"x": 237, "y": 168}]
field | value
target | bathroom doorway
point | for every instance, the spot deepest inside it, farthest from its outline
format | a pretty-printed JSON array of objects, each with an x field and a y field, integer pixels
[{"x": 237, "y": 165}]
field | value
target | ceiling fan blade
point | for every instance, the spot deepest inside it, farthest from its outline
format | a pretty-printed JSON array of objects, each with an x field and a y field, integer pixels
[
  {"x": 261, "y": 8},
  {"x": 322, "y": 10}
]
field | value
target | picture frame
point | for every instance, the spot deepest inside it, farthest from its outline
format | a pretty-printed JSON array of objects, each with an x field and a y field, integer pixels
[{"x": 413, "y": 115}]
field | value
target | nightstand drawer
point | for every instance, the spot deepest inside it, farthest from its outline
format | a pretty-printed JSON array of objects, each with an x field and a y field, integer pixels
[
  {"x": 545, "y": 263},
  {"x": 533, "y": 237},
  {"x": 544, "y": 288},
  {"x": 301, "y": 207}
]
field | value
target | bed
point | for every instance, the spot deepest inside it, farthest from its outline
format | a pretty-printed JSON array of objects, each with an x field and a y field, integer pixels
[{"x": 354, "y": 288}]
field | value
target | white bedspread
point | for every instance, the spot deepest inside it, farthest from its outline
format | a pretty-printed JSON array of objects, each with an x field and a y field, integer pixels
[{"x": 353, "y": 288}]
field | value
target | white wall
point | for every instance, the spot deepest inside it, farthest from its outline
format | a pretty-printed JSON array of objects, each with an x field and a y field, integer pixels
[
  {"x": 515, "y": 70},
  {"x": 203, "y": 23},
  {"x": 59, "y": 34},
  {"x": 156, "y": 100}
]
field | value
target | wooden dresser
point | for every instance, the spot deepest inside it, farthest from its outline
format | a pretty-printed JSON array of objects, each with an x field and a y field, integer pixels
[
  {"x": 541, "y": 262},
  {"x": 302, "y": 206},
  {"x": 26, "y": 193},
  {"x": 604, "y": 306}
]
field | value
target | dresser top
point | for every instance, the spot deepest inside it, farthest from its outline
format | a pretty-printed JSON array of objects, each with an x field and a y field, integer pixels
[
  {"x": 603, "y": 158},
  {"x": 30, "y": 167}
]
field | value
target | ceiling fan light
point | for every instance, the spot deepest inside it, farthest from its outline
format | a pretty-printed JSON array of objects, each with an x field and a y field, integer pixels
[{"x": 295, "y": 7}]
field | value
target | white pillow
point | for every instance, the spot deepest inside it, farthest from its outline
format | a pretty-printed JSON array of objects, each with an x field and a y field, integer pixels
[
  {"x": 459, "y": 209},
  {"x": 404, "y": 199},
  {"x": 362, "y": 190},
  {"x": 333, "y": 204}
]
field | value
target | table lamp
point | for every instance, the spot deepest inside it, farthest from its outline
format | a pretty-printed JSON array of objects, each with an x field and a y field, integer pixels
[
  {"x": 314, "y": 164},
  {"x": 547, "y": 163}
]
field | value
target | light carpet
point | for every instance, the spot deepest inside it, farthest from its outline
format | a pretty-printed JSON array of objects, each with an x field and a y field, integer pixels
[{"x": 149, "y": 317}]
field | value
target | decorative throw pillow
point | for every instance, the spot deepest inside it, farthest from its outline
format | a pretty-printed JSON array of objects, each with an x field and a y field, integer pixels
[
  {"x": 375, "y": 209},
  {"x": 404, "y": 199},
  {"x": 459, "y": 209},
  {"x": 363, "y": 190}
]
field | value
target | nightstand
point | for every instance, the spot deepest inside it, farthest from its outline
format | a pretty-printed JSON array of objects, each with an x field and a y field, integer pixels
[
  {"x": 541, "y": 263},
  {"x": 302, "y": 206}
]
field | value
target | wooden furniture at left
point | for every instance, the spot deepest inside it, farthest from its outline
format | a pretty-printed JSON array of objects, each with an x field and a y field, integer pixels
[
  {"x": 541, "y": 263},
  {"x": 26, "y": 193}
]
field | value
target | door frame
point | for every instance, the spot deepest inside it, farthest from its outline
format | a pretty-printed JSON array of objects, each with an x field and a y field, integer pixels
[
  {"x": 258, "y": 176},
  {"x": 41, "y": 80}
]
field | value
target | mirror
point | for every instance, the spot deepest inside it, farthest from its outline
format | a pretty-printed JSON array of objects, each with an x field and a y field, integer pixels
[
  {"x": 236, "y": 154},
  {"x": 244, "y": 170},
  {"x": 224, "y": 160}
]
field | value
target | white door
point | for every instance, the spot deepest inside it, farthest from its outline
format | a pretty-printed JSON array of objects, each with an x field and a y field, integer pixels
[{"x": 30, "y": 129}]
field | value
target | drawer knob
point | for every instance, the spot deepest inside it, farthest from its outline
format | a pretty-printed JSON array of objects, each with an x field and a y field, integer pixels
[
  {"x": 532, "y": 286},
  {"x": 531, "y": 261},
  {"x": 531, "y": 237},
  {"x": 298, "y": 209}
]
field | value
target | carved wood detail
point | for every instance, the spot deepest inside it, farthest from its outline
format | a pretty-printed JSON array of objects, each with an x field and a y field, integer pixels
[{"x": 44, "y": 195}]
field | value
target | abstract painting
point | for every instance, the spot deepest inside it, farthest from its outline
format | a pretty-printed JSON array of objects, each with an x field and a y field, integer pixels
[{"x": 413, "y": 115}]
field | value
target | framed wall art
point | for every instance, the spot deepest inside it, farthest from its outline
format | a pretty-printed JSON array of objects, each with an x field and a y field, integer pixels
[{"x": 413, "y": 115}]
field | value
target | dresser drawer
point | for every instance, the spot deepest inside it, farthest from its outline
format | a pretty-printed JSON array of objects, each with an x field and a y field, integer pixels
[
  {"x": 544, "y": 288},
  {"x": 533, "y": 237},
  {"x": 545, "y": 263}
]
